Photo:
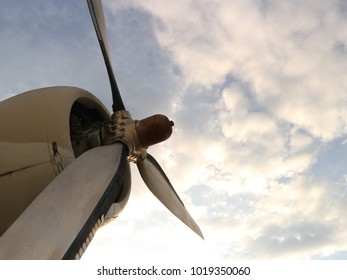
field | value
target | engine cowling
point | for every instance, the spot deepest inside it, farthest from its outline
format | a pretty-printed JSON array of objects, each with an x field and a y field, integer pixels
[{"x": 41, "y": 132}]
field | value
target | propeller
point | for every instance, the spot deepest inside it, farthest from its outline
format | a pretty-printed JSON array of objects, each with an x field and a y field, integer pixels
[{"x": 139, "y": 135}]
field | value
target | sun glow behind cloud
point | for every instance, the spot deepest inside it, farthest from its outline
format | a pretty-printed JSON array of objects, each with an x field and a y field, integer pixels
[{"x": 258, "y": 93}]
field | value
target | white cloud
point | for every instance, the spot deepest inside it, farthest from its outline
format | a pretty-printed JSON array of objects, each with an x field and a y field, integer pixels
[
  {"x": 303, "y": 219},
  {"x": 291, "y": 65}
]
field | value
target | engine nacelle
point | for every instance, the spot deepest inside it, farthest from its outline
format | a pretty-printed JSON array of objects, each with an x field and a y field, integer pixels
[{"x": 41, "y": 132}]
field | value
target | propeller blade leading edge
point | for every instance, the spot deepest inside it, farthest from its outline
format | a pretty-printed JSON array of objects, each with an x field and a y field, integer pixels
[{"x": 159, "y": 184}]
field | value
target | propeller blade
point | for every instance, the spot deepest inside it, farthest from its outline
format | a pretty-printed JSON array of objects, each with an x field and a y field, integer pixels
[
  {"x": 160, "y": 186},
  {"x": 97, "y": 14},
  {"x": 62, "y": 218}
]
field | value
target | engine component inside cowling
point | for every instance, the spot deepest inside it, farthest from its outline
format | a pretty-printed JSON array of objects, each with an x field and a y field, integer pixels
[{"x": 87, "y": 128}]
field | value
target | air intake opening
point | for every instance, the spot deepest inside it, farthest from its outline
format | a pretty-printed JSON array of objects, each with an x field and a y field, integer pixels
[{"x": 87, "y": 127}]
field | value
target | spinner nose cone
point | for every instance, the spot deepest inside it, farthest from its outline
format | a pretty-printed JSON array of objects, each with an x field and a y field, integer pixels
[{"x": 154, "y": 129}]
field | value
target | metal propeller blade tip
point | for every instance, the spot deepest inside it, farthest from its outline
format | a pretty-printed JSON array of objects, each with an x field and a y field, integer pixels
[{"x": 159, "y": 184}]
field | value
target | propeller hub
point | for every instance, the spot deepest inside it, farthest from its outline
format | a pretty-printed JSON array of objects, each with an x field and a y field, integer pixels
[
  {"x": 153, "y": 130},
  {"x": 139, "y": 135}
]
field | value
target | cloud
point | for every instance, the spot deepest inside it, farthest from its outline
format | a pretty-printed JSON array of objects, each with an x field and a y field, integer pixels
[
  {"x": 293, "y": 68},
  {"x": 303, "y": 219}
]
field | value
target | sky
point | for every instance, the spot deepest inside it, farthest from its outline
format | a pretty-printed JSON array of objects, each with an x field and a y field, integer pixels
[{"x": 258, "y": 93}]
